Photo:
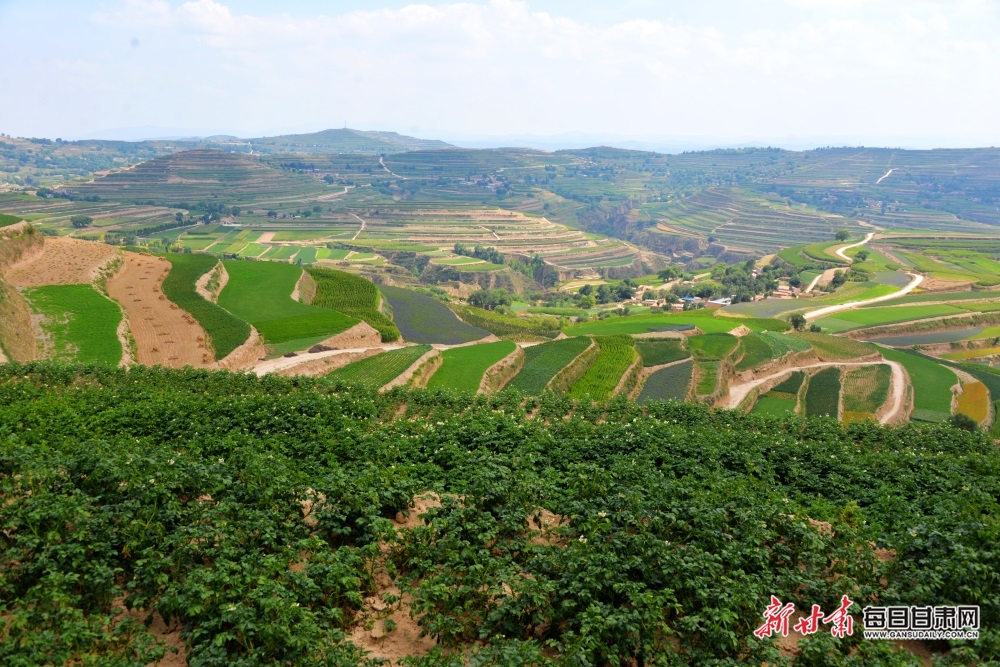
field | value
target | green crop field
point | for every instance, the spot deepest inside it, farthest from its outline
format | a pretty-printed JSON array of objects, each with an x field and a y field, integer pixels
[
  {"x": 760, "y": 348},
  {"x": 599, "y": 381},
  {"x": 462, "y": 368},
  {"x": 865, "y": 389},
  {"x": 7, "y": 220},
  {"x": 931, "y": 382},
  {"x": 774, "y": 406},
  {"x": 670, "y": 383},
  {"x": 380, "y": 370},
  {"x": 423, "y": 319},
  {"x": 871, "y": 317},
  {"x": 702, "y": 319},
  {"x": 261, "y": 294},
  {"x": 791, "y": 384},
  {"x": 823, "y": 393},
  {"x": 80, "y": 323},
  {"x": 713, "y": 346},
  {"x": 836, "y": 348},
  {"x": 225, "y": 331},
  {"x": 353, "y": 296},
  {"x": 336, "y": 253},
  {"x": 656, "y": 351},
  {"x": 508, "y": 327},
  {"x": 542, "y": 362}
]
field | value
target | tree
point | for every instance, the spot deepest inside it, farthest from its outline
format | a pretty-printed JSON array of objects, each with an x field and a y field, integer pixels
[
  {"x": 964, "y": 422},
  {"x": 272, "y": 214},
  {"x": 489, "y": 299},
  {"x": 797, "y": 321},
  {"x": 81, "y": 221},
  {"x": 842, "y": 235},
  {"x": 235, "y": 211},
  {"x": 815, "y": 328},
  {"x": 178, "y": 216},
  {"x": 329, "y": 179},
  {"x": 862, "y": 255}
]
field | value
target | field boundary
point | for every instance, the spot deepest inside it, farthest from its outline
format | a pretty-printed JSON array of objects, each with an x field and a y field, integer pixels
[
  {"x": 574, "y": 370},
  {"x": 403, "y": 378},
  {"x": 423, "y": 373},
  {"x": 502, "y": 372}
]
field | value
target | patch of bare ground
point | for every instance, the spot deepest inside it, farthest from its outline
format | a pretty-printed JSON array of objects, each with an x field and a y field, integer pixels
[
  {"x": 169, "y": 635},
  {"x": 210, "y": 285},
  {"x": 324, "y": 365},
  {"x": 17, "y": 335},
  {"x": 305, "y": 288},
  {"x": 63, "y": 261},
  {"x": 266, "y": 237},
  {"x": 246, "y": 355},
  {"x": 164, "y": 334},
  {"x": 361, "y": 334}
]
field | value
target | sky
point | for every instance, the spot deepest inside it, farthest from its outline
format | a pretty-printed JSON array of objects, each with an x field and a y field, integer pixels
[{"x": 549, "y": 73}]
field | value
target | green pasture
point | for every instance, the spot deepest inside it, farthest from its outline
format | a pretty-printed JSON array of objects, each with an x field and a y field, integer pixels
[
  {"x": 381, "y": 369},
  {"x": 462, "y": 368},
  {"x": 80, "y": 323},
  {"x": 871, "y": 317},
  {"x": 542, "y": 363},
  {"x": 931, "y": 382}
]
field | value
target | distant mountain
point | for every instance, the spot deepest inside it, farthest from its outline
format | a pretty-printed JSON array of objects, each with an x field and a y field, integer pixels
[{"x": 344, "y": 141}]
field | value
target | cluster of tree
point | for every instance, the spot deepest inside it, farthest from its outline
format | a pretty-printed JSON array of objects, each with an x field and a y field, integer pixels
[
  {"x": 81, "y": 221},
  {"x": 490, "y": 299},
  {"x": 491, "y": 255},
  {"x": 609, "y": 293}
]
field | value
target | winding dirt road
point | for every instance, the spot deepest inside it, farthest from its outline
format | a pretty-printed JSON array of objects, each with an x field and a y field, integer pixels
[
  {"x": 916, "y": 279},
  {"x": 897, "y": 385},
  {"x": 839, "y": 252}
]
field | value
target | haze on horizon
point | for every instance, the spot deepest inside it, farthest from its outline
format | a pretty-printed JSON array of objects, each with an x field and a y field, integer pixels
[{"x": 550, "y": 73}]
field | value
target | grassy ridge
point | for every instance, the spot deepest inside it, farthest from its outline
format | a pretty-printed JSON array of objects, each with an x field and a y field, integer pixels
[
  {"x": 81, "y": 323},
  {"x": 508, "y": 327},
  {"x": 600, "y": 380},
  {"x": 225, "y": 331},
  {"x": 462, "y": 368},
  {"x": 261, "y": 293},
  {"x": 353, "y": 296},
  {"x": 380, "y": 370},
  {"x": 542, "y": 362},
  {"x": 423, "y": 319}
]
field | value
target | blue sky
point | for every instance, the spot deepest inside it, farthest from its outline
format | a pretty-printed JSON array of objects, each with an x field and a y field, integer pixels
[{"x": 669, "y": 75}]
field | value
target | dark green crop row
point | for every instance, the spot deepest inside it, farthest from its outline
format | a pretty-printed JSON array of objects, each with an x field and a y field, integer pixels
[
  {"x": 353, "y": 296},
  {"x": 225, "y": 331},
  {"x": 184, "y": 493}
]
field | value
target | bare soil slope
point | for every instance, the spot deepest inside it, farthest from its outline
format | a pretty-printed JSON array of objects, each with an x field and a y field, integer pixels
[
  {"x": 164, "y": 334},
  {"x": 63, "y": 261}
]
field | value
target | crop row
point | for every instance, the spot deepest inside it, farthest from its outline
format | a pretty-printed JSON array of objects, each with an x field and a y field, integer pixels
[
  {"x": 355, "y": 297},
  {"x": 617, "y": 353},
  {"x": 543, "y": 362},
  {"x": 381, "y": 369}
]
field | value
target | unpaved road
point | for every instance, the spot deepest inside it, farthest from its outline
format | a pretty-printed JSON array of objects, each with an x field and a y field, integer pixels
[
  {"x": 282, "y": 363},
  {"x": 839, "y": 252},
  {"x": 826, "y": 277},
  {"x": 390, "y": 170},
  {"x": 363, "y": 223},
  {"x": 884, "y": 176},
  {"x": 897, "y": 385},
  {"x": 916, "y": 280}
]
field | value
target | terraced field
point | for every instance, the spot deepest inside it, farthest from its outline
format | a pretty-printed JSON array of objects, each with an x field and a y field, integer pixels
[
  {"x": 669, "y": 383},
  {"x": 462, "y": 368},
  {"x": 598, "y": 383},
  {"x": 702, "y": 319},
  {"x": 381, "y": 369},
  {"x": 225, "y": 331},
  {"x": 871, "y": 317},
  {"x": 931, "y": 382},
  {"x": 865, "y": 389},
  {"x": 823, "y": 394},
  {"x": 80, "y": 323},
  {"x": 655, "y": 352},
  {"x": 261, "y": 293},
  {"x": 423, "y": 319},
  {"x": 542, "y": 362},
  {"x": 353, "y": 296}
]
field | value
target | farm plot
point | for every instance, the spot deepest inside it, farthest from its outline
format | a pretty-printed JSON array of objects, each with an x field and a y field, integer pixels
[
  {"x": 709, "y": 350},
  {"x": 864, "y": 390},
  {"x": 871, "y": 317},
  {"x": 353, "y": 296},
  {"x": 598, "y": 383},
  {"x": 261, "y": 294},
  {"x": 164, "y": 334},
  {"x": 823, "y": 394},
  {"x": 63, "y": 261},
  {"x": 974, "y": 401},
  {"x": 508, "y": 327},
  {"x": 80, "y": 323},
  {"x": 836, "y": 348},
  {"x": 225, "y": 331},
  {"x": 542, "y": 362},
  {"x": 931, "y": 382},
  {"x": 670, "y": 383},
  {"x": 702, "y": 319},
  {"x": 782, "y": 400},
  {"x": 655, "y": 352},
  {"x": 462, "y": 368},
  {"x": 423, "y": 319},
  {"x": 380, "y": 370}
]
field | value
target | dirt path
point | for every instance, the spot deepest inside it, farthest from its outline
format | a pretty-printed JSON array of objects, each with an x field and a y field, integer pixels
[
  {"x": 884, "y": 176},
  {"x": 822, "y": 312},
  {"x": 284, "y": 363},
  {"x": 839, "y": 252},
  {"x": 266, "y": 237},
  {"x": 826, "y": 277},
  {"x": 63, "y": 261},
  {"x": 363, "y": 223},
  {"x": 390, "y": 170},
  {"x": 897, "y": 386},
  {"x": 164, "y": 334}
]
